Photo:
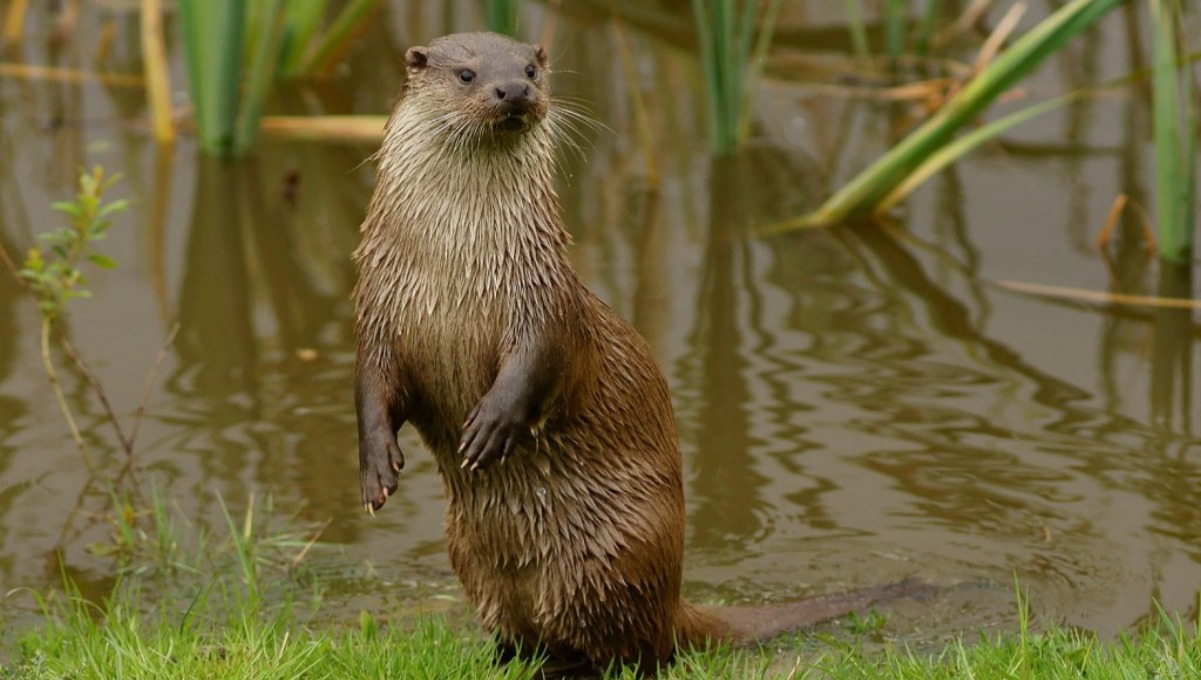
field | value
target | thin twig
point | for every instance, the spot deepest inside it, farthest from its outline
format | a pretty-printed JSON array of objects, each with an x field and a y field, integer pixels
[
  {"x": 308, "y": 546},
  {"x": 150, "y": 380},
  {"x": 48, "y": 365},
  {"x": 100, "y": 393}
]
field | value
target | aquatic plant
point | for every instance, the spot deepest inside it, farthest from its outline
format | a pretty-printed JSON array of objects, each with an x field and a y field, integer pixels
[
  {"x": 1175, "y": 130},
  {"x": 52, "y": 273},
  {"x": 274, "y": 38},
  {"x": 734, "y": 36},
  {"x": 914, "y": 156}
]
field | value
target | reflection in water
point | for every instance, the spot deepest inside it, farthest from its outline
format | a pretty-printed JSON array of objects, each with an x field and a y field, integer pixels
[
  {"x": 1172, "y": 353},
  {"x": 855, "y": 405}
]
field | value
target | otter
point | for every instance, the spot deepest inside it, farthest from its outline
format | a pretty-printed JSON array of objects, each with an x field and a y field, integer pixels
[{"x": 550, "y": 421}]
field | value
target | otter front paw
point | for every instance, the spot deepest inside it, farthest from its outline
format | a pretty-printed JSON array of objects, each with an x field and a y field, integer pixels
[
  {"x": 490, "y": 433},
  {"x": 380, "y": 463}
]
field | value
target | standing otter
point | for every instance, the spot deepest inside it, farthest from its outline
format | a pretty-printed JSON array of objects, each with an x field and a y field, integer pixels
[{"x": 551, "y": 424}]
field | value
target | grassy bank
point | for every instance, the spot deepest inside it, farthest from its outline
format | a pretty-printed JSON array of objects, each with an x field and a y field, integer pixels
[
  {"x": 77, "y": 640},
  {"x": 238, "y": 601}
]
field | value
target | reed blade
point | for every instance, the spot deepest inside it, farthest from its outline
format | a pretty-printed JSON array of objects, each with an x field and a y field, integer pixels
[
  {"x": 858, "y": 29},
  {"x": 300, "y": 25},
  {"x": 338, "y": 37},
  {"x": 501, "y": 16},
  {"x": 213, "y": 35},
  {"x": 1174, "y": 127},
  {"x": 865, "y": 192},
  {"x": 895, "y": 16},
  {"x": 263, "y": 62}
]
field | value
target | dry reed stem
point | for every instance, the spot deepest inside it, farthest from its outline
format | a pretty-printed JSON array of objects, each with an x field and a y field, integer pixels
[
  {"x": 158, "y": 86},
  {"x": 14, "y": 22},
  {"x": 918, "y": 91},
  {"x": 35, "y": 72},
  {"x": 68, "y": 16},
  {"x": 1111, "y": 221},
  {"x": 992, "y": 45},
  {"x": 326, "y": 128},
  {"x": 1066, "y": 293}
]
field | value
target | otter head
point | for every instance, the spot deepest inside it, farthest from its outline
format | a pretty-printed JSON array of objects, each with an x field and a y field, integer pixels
[{"x": 484, "y": 83}]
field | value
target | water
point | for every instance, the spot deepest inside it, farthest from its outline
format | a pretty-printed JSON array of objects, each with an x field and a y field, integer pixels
[{"x": 855, "y": 405}]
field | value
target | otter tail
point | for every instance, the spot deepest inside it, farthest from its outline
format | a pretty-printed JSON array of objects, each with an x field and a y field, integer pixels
[{"x": 701, "y": 625}]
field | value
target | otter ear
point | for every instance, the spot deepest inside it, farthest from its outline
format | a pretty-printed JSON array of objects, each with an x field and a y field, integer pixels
[
  {"x": 540, "y": 55},
  {"x": 417, "y": 57}
]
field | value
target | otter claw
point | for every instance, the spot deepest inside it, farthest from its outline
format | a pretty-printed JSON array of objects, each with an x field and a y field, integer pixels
[{"x": 369, "y": 508}]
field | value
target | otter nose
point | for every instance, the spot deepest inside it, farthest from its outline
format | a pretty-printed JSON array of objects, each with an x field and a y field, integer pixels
[{"x": 513, "y": 92}]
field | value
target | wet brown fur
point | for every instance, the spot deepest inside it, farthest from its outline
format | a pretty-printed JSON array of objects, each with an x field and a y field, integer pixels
[{"x": 473, "y": 326}]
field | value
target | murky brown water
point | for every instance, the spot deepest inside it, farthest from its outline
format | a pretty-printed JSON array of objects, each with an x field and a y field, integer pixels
[{"x": 855, "y": 405}]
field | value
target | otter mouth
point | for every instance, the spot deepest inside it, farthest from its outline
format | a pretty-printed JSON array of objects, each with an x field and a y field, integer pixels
[{"x": 512, "y": 123}]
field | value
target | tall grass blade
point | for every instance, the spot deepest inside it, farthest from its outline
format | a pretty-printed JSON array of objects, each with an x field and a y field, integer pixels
[
  {"x": 755, "y": 68},
  {"x": 1175, "y": 136},
  {"x": 501, "y": 16},
  {"x": 731, "y": 60},
  {"x": 895, "y": 16},
  {"x": 213, "y": 36},
  {"x": 925, "y": 32},
  {"x": 300, "y": 25},
  {"x": 858, "y": 29},
  {"x": 866, "y": 191},
  {"x": 263, "y": 63},
  {"x": 337, "y": 38}
]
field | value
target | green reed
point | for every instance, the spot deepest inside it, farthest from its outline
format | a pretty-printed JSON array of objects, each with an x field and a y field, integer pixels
[
  {"x": 878, "y": 185},
  {"x": 1175, "y": 129},
  {"x": 236, "y": 50},
  {"x": 501, "y": 16},
  {"x": 734, "y": 36},
  {"x": 895, "y": 19}
]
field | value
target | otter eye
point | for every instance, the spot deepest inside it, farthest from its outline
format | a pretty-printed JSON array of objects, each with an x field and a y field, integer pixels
[
  {"x": 531, "y": 71},
  {"x": 466, "y": 75}
]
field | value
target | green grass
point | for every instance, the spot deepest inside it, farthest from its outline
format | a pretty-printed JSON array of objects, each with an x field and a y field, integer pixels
[
  {"x": 125, "y": 638},
  {"x": 239, "y": 604}
]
